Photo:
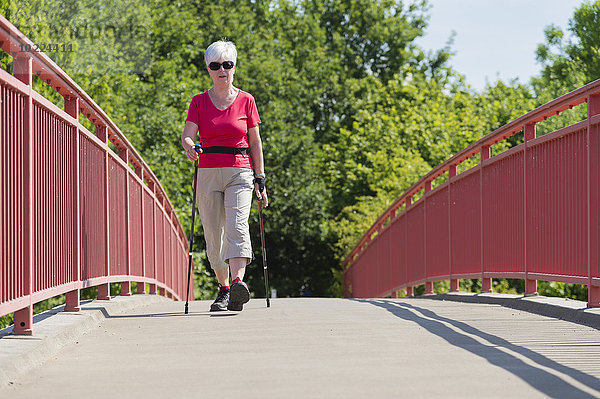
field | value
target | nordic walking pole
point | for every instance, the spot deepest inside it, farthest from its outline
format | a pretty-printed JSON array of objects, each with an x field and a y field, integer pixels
[
  {"x": 197, "y": 147},
  {"x": 264, "y": 249}
]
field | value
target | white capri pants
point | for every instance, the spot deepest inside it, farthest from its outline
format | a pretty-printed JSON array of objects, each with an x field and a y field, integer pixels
[{"x": 224, "y": 198}]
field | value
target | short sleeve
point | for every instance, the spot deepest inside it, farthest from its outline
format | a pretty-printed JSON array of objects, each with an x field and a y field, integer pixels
[
  {"x": 252, "y": 112},
  {"x": 194, "y": 111}
]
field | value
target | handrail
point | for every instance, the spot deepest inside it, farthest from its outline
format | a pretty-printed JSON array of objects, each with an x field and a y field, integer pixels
[
  {"x": 542, "y": 112},
  {"x": 80, "y": 215},
  {"x": 590, "y": 94}
]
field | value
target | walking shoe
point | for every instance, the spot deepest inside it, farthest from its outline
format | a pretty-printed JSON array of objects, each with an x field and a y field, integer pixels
[
  {"x": 220, "y": 304},
  {"x": 238, "y": 295}
]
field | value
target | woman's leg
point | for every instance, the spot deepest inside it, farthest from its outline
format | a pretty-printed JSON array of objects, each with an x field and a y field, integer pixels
[
  {"x": 223, "y": 276},
  {"x": 237, "y": 201},
  {"x": 210, "y": 201},
  {"x": 212, "y": 212},
  {"x": 238, "y": 267}
]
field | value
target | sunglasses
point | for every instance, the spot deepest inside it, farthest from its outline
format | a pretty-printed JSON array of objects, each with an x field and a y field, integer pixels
[{"x": 215, "y": 66}]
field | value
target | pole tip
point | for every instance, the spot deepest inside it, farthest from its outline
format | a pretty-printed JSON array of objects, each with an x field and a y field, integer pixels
[
  {"x": 186, "y": 308},
  {"x": 268, "y": 303}
]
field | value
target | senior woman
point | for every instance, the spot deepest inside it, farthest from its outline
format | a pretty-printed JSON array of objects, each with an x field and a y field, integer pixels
[{"x": 226, "y": 119}]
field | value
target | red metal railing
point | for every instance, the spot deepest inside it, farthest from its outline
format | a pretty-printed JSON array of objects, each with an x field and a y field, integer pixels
[
  {"x": 531, "y": 212},
  {"x": 73, "y": 213}
]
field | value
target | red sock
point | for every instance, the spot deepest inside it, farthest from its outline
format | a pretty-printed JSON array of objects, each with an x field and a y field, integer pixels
[
  {"x": 226, "y": 287},
  {"x": 237, "y": 279}
]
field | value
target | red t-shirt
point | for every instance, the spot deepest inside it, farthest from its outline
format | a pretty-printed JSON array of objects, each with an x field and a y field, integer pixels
[{"x": 228, "y": 127}]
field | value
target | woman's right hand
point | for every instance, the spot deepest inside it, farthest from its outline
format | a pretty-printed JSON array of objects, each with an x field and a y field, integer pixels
[
  {"x": 194, "y": 152},
  {"x": 190, "y": 131}
]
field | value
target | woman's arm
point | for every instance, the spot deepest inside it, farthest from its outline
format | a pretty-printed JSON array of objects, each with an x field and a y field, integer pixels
[
  {"x": 256, "y": 150},
  {"x": 256, "y": 153},
  {"x": 190, "y": 131}
]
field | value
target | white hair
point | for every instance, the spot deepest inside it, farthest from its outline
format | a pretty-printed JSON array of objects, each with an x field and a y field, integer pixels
[{"x": 222, "y": 49}]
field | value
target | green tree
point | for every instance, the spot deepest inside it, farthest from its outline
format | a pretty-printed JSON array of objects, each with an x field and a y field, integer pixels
[{"x": 571, "y": 59}]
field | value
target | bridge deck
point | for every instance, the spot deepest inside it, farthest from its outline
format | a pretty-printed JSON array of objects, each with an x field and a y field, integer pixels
[{"x": 329, "y": 348}]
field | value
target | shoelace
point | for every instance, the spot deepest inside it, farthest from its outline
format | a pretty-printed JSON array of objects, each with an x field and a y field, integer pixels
[{"x": 222, "y": 295}]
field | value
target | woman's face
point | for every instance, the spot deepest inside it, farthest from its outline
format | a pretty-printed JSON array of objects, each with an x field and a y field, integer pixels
[{"x": 222, "y": 75}]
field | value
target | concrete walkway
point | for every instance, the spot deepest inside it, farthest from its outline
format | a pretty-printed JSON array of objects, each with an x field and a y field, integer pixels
[{"x": 318, "y": 348}]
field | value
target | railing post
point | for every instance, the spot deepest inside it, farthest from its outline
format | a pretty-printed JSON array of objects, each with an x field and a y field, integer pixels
[
  {"x": 390, "y": 254},
  {"x": 72, "y": 302},
  {"x": 24, "y": 317},
  {"x": 163, "y": 262},
  {"x": 126, "y": 285},
  {"x": 378, "y": 264},
  {"x": 530, "y": 284},
  {"x": 593, "y": 216},
  {"x": 409, "y": 289},
  {"x": 104, "y": 289},
  {"x": 429, "y": 287},
  {"x": 155, "y": 262},
  {"x": 486, "y": 282},
  {"x": 428, "y": 284},
  {"x": 454, "y": 286},
  {"x": 141, "y": 286},
  {"x": 104, "y": 292}
]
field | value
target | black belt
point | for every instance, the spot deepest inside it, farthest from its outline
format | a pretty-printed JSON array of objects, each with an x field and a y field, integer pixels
[{"x": 226, "y": 150}]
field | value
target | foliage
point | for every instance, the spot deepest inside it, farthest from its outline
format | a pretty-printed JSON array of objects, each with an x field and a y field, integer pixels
[
  {"x": 570, "y": 61},
  {"x": 6, "y": 321},
  {"x": 563, "y": 290}
]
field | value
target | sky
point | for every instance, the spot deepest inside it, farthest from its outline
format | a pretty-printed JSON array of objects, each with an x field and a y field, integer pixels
[{"x": 494, "y": 38}]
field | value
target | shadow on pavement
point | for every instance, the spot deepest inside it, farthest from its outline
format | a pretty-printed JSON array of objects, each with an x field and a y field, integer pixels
[
  {"x": 544, "y": 381},
  {"x": 162, "y": 314}
]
